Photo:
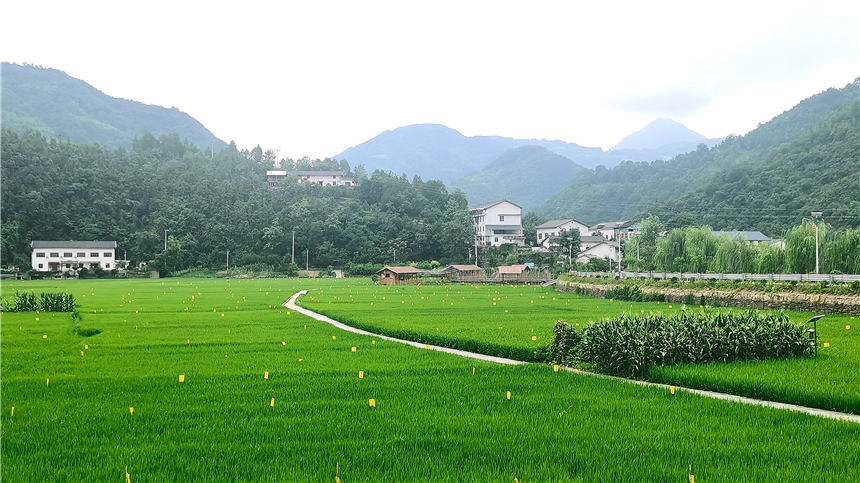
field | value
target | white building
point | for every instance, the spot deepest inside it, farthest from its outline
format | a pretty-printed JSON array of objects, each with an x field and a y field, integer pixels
[
  {"x": 610, "y": 230},
  {"x": 603, "y": 249},
  {"x": 62, "y": 256},
  {"x": 322, "y": 178},
  {"x": 497, "y": 223},
  {"x": 548, "y": 233}
]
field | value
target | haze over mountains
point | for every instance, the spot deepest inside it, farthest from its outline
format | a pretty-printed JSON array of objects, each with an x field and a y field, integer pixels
[{"x": 63, "y": 107}]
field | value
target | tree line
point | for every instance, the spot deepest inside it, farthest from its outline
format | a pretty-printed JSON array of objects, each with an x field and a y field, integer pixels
[{"x": 210, "y": 203}]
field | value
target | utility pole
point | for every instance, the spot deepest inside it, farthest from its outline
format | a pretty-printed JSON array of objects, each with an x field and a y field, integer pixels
[
  {"x": 395, "y": 257},
  {"x": 570, "y": 255},
  {"x": 307, "y": 259},
  {"x": 165, "y": 239},
  {"x": 816, "y": 214},
  {"x": 228, "y": 260},
  {"x": 293, "y": 252}
]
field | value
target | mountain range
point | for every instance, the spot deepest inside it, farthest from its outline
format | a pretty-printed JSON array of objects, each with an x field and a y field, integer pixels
[{"x": 62, "y": 107}]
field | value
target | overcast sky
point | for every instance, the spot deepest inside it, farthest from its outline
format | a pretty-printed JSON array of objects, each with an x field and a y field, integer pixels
[{"x": 312, "y": 78}]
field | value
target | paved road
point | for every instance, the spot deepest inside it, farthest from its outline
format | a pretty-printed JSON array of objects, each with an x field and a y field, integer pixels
[{"x": 823, "y": 413}]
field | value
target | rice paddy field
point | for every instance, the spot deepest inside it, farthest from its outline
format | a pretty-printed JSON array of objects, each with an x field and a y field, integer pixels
[
  {"x": 517, "y": 322},
  {"x": 266, "y": 394}
]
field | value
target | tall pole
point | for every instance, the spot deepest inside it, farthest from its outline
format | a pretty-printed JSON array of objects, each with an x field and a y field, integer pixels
[
  {"x": 395, "y": 257},
  {"x": 293, "y": 253},
  {"x": 307, "y": 259},
  {"x": 816, "y": 214},
  {"x": 228, "y": 260},
  {"x": 165, "y": 239}
]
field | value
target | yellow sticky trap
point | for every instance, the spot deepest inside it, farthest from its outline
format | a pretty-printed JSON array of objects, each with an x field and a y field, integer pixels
[
  {"x": 672, "y": 390},
  {"x": 182, "y": 378},
  {"x": 272, "y": 402},
  {"x": 283, "y": 342},
  {"x": 187, "y": 341},
  {"x": 473, "y": 371},
  {"x": 827, "y": 344},
  {"x": 131, "y": 411},
  {"x": 555, "y": 368},
  {"x": 670, "y": 306},
  {"x": 82, "y": 353},
  {"x": 692, "y": 478},
  {"x": 509, "y": 395},
  {"x": 333, "y": 337},
  {"x": 37, "y": 319},
  {"x": 127, "y": 476},
  {"x": 534, "y": 337},
  {"x": 266, "y": 375},
  {"x": 354, "y": 349},
  {"x": 361, "y": 374},
  {"x": 87, "y": 346},
  {"x": 45, "y": 336},
  {"x": 373, "y": 342},
  {"x": 222, "y": 314},
  {"x": 372, "y": 402},
  {"x": 426, "y": 346},
  {"x": 47, "y": 381},
  {"x": 847, "y": 327},
  {"x": 13, "y": 412}
]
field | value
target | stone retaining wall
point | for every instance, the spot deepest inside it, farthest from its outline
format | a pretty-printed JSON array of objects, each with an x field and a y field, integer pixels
[{"x": 835, "y": 304}]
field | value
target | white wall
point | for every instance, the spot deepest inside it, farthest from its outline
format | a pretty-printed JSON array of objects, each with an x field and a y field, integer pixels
[{"x": 89, "y": 261}]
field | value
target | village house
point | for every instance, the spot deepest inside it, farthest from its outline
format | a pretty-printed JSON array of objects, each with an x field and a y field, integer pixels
[
  {"x": 513, "y": 272},
  {"x": 754, "y": 237},
  {"x": 548, "y": 233},
  {"x": 322, "y": 178},
  {"x": 611, "y": 230},
  {"x": 398, "y": 275},
  {"x": 497, "y": 223},
  {"x": 602, "y": 249},
  {"x": 63, "y": 256},
  {"x": 461, "y": 272}
]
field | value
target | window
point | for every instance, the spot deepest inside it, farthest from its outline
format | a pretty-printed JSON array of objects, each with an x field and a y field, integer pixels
[
  {"x": 107, "y": 265},
  {"x": 501, "y": 217},
  {"x": 497, "y": 239},
  {"x": 108, "y": 254},
  {"x": 40, "y": 265},
  {"x": 55, "y": 254},
  {"x": 94, "y": 254},
  {"x": 81, "y": 254},
  {"x": 40, "y": 254}
]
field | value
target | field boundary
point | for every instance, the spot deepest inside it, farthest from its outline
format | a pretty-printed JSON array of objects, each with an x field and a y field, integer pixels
[{"x": 822, "y": 413}]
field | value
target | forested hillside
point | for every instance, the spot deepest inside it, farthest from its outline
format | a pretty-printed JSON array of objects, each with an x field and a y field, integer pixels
[
  {"x": 631, "y": 188},
  {"x": 526, "y": 175},
  {"x": 53, "y": 190},
  {"x": 63, "y": 107},
  {"x": 819, "y": 171}
]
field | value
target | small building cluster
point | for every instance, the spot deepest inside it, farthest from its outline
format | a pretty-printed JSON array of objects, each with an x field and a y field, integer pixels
[
  {"x": 321, "y": 178},
  {"x": 460, "y": 273}
]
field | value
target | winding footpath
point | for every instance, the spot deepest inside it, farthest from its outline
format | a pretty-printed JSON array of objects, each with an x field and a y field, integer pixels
[{"x": 822, "y": 413}]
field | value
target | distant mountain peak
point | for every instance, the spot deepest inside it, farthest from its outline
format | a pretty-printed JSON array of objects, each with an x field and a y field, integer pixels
[{"x": 658, "y": 133}]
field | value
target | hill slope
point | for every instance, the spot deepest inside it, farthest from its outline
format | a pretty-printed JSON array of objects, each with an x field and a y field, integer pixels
[
  {"x": 818, "y": 171},
  {"x": 526, "y": 175},
  {"x": 439, "y": 152},
  {"x": 63, "y": 107},
  {"x": 631, "y": 187},
  {"x": 658, "y": 133}
]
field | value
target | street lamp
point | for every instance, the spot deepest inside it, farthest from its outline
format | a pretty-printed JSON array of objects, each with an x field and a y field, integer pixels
[{"x": 816, "y": 215}]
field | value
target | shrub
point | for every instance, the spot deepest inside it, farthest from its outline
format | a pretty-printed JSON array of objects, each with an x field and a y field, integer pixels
[
  {"x": 565, "y": 343},
  {"x": 627, "y": 345},
  {"x": 48, "y": 302},
  {"x": 632, "y": 293}
]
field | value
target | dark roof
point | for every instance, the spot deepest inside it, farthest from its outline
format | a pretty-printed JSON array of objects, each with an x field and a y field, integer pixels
[
  {"x": 591, "y": 239},
  {"x": 557, "y": 223},
  {"x": 316, "y": 173},
  {"x": 72, "y": 244},
  {"x": 612, "y": 225},
  {"x": 494, "y": 203},
  {"x": 504, "y": 227},
  {"x": 747, "y": 235},
  {"x": 464, "y": 268},
  {"x": 400, "y": 269}
]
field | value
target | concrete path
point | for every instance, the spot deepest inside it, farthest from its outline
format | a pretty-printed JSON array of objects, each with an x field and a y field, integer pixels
[{"x": 823, "y": 413}]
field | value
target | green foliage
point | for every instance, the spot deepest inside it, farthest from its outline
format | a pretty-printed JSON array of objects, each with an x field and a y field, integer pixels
[
  {"x": 804, "y": 159},
  {"x": 46, "y": 302},
  {"x": 628, "y": 345},
  {"x": 632, "y": 293},
  {"x": 214, "y": 204}
]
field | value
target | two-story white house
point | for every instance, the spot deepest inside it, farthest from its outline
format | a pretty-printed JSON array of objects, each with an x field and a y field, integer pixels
[
  {"x": 548, "y": 233},
  {"x": 322, "y": 178},
  {"x": 63, "y": 256},
  {"x": 497, "y": 223}
]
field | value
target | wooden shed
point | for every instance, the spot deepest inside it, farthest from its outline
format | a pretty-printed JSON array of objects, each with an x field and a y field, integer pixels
[
  {"x": 513, "y": 272},
  {"x": 462, "y": 272},
  {"x": 398, "y": 275}
]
